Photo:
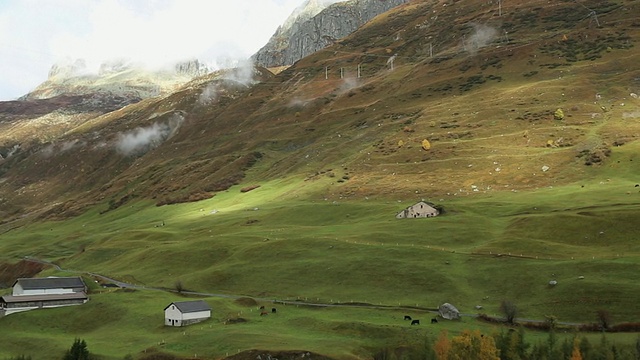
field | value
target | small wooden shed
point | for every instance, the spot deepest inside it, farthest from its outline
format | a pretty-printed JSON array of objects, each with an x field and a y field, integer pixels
[{"x": 183, "y": 313}]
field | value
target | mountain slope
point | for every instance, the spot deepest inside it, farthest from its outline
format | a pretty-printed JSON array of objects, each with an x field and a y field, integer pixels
[{"x": 482, "y": 88}]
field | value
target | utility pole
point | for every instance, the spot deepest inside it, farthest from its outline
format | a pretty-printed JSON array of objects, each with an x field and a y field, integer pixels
[
  {"x": 499, "y": 7},
  {"x": 326, "y": 72},
  {"x": 358, "y": 71},
  {"x": 592, "y": 14},
  {"x": 341, "y": 73},
  {"x": 595, "y": 16},
  {"x": 391, "y": 60},
  {"x": 430, "y": 50}
]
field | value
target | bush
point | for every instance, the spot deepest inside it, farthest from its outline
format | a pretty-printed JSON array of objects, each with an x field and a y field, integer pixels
[
  {"x": 558, "y": 114},
  {"x": 78, "y": 351}
]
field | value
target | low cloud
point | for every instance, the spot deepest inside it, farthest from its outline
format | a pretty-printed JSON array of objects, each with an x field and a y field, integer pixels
[
  {"x": 297, "y": 103},
  {"x": 208, "y": 95},
  {"x": 13, "y": 150},
  {"x": 349, "y": 83},
  {"x": 68, "y": 145},
  {"x": 155, "y": 33},
  {"x": 143, "y": 139},
  {"x": 9, "y": 152},
  {"x": 482, "y": 36},
  {"x": 57, "y": 149},
  {"x": 242, "y": 72}
]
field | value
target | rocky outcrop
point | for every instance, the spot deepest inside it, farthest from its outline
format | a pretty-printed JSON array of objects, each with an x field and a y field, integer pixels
[
  {"x": 191, "y": 68},
  {"x": 308, "y": 29},
  {"x": 448, "y": 311},
  {"x": 67, "y": 68},
  {"x": 117, "y": 78},
  {"x": 114, "y": 67}
]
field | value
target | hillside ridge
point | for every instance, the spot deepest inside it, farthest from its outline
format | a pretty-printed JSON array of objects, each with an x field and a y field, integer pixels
[{"x": 359, "y": 111}]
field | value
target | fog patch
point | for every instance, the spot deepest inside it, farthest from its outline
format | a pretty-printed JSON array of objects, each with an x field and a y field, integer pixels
[
  {"x": 57, "y": 149},
  {"x": 14, "y": 149},
  {"x": 482, "y": 36},
  {"x": 208, "y": 95},
  {"x": 242, "y": 72},
  {"x": 349, "y": 83},
  {"x": 68, "y": 145},
  {"x": 47, "y": 151},
  {"x": 140, "y": 140},
  {"x": 6, "y": 153},
  {"x": 100, "y": 145},
  {"x": 297, "y": 103}
]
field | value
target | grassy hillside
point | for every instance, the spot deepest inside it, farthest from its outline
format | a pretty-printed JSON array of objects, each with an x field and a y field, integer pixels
[{"x": 278, "y": 243}]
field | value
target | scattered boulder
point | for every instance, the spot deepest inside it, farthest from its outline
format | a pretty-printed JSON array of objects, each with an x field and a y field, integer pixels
[
  {"x": 246, "y": 301},
  {"x": 545, "y": 168},
  {"x": 553, "y": 283},
  {"x": 448, "y": 311},
  {"x": 238, "y": 320},
  {"x": 580, "y": 277},
  {"x": 249, "y": 188}
]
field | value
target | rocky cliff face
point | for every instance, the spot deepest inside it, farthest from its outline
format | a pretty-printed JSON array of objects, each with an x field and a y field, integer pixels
[
  {"x": 316, "y": 26},
  {"x": 119, "y": 78},
  {"x": 191, "y": 68}
]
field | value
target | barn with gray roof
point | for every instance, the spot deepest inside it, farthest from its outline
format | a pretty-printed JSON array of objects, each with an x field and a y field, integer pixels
[
  {"x": 182, "y": 313},
  {"x": 39, "y": 293}
]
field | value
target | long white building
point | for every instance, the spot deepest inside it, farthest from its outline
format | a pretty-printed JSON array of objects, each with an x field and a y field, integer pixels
[{"x": 39, "y": 293}]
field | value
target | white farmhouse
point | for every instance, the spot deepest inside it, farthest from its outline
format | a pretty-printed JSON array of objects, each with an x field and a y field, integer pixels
[
  {"x": 39, "y": 293},
  {"x": 418, "y": 210},
  {"x": 182, "y": 313}
]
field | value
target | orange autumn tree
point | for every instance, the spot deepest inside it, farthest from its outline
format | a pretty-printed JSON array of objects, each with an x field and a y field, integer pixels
[
  {"x": 472, "y": 345},
  {"x": 442, "y": 346},
  {"x": 575, "y": 354}
]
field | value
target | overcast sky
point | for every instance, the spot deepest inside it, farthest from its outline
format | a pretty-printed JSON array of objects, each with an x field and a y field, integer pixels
[{"x": 35, "y": 34}]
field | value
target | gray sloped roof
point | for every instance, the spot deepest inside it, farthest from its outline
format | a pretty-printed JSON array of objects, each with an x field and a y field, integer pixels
[
  {"x": 50, "y": 283},
  {"x": 190, "y": 306}
]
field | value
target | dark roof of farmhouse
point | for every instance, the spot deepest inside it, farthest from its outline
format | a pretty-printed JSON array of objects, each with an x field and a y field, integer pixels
[
  {"x": 50, "y": 283},
  {"x": 191, "y": 306}
]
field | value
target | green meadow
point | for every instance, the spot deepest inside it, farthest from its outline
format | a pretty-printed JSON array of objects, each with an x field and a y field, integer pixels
[{"x": 285, "y": 241}]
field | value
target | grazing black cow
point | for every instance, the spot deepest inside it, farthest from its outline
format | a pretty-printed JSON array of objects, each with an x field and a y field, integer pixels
[
  {"x": 262, "y": 307},
  {"x": 407, "y": 317},
  {"x": 434, "y": 321},
  {"x": 273, "y": 310},
  {"x": 415, "y": 322}
]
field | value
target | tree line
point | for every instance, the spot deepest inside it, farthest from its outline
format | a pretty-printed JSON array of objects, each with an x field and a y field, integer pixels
[{"x": 510, "y": 344}]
